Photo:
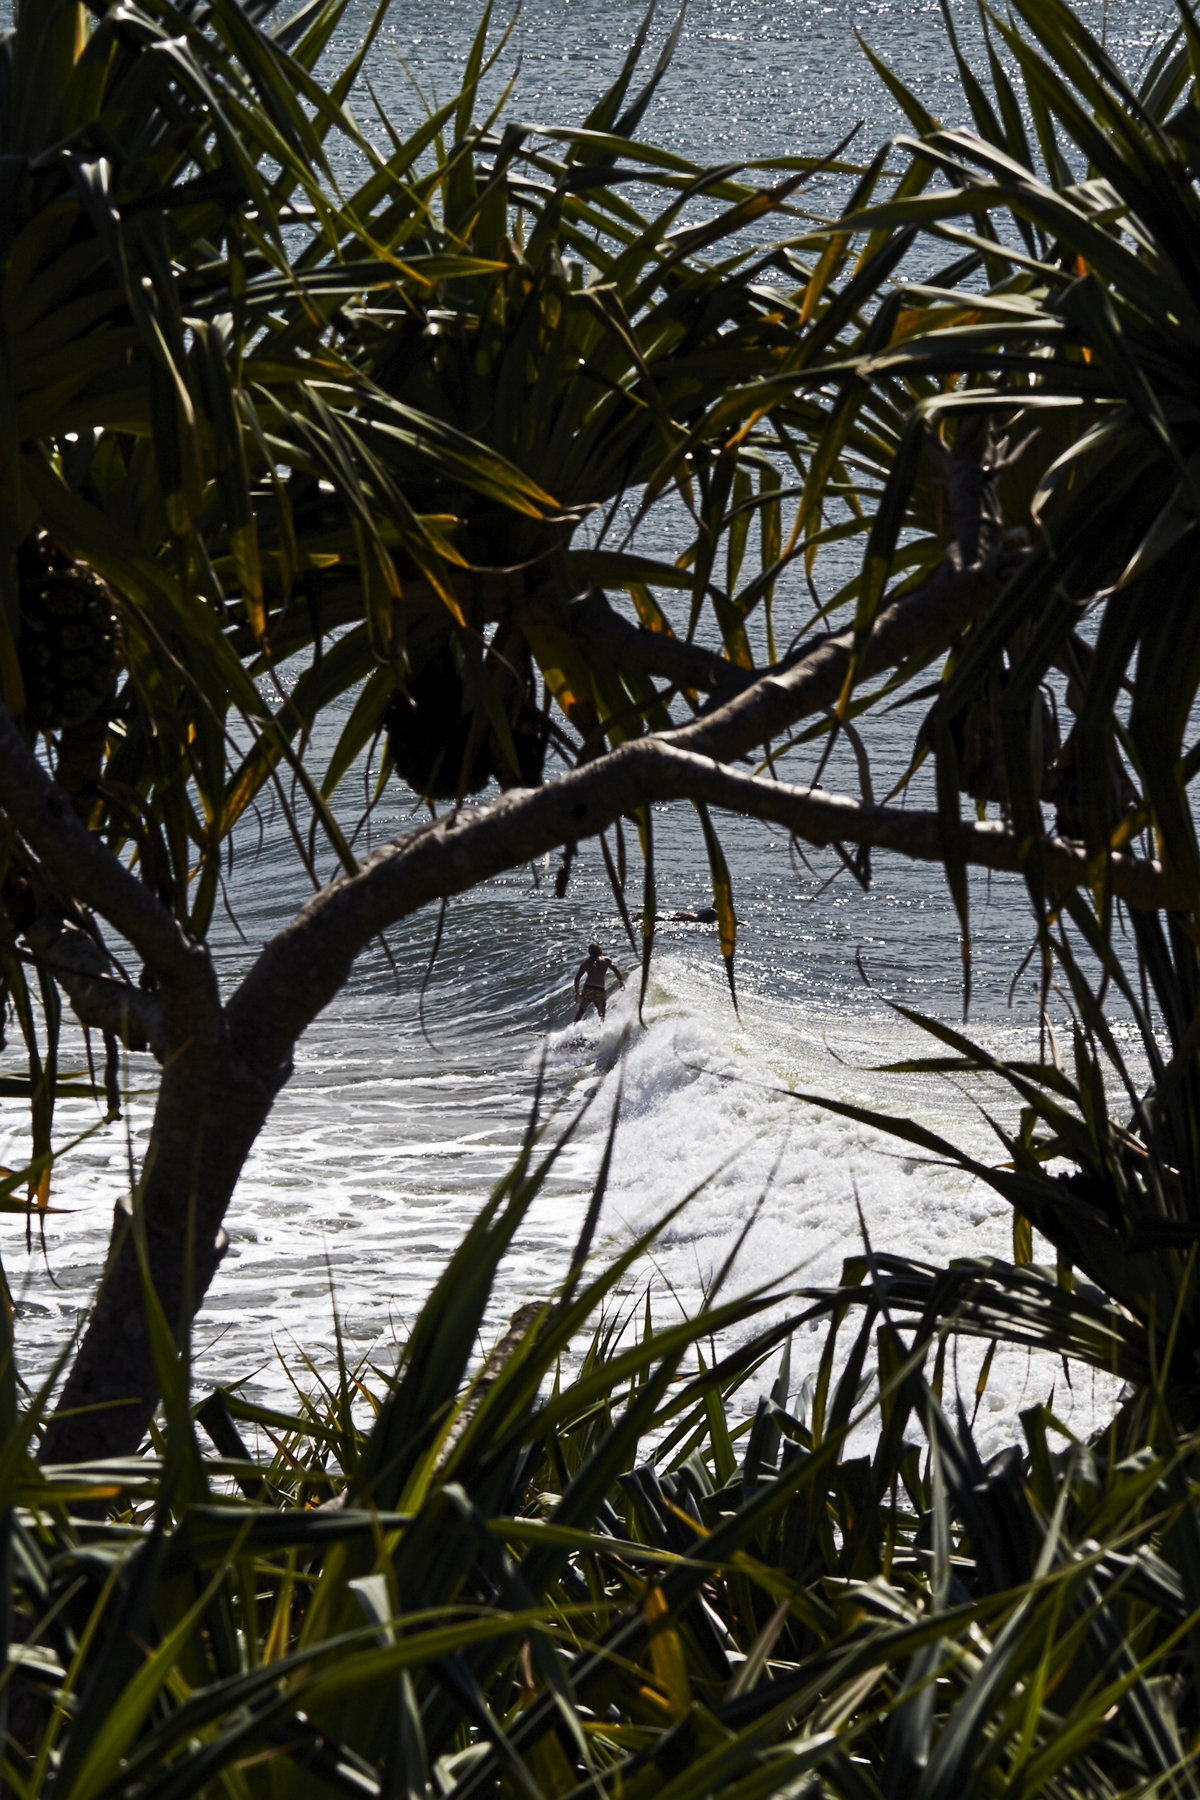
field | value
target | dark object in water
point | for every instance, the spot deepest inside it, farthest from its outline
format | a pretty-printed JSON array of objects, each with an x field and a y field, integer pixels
[
  {"x": 430, "y": 736},
  {"x": 703, "y": 915}
]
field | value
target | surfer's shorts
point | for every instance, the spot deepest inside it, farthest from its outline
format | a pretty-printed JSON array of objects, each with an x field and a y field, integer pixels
[{"x": 594, "y": 996}]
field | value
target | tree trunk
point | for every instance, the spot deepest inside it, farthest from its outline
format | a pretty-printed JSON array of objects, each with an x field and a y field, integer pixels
[{"x": 204, "y": 1129}]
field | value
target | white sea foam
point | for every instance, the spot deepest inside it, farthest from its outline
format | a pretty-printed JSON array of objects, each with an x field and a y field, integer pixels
[
  {"x": 371, "y": 1167},
  {"x": 367, "y": 1175},
  {"x": 705, "y": 1102}
]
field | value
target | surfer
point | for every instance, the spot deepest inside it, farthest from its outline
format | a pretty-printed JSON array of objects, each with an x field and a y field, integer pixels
[
  {"x": 592, "y": 971},
  {"x": 701, "y": 915}
]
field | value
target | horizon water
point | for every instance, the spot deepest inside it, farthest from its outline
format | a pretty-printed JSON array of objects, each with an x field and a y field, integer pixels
[{"x": 401, "y": 1115}]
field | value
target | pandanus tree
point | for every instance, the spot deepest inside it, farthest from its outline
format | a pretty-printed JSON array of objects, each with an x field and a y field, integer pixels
[
  {"x": 398, "y": 406},
  {"x": 499, "y": 1603}
]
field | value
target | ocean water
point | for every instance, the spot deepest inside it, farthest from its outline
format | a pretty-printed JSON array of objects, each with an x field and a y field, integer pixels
[{"x": 403, "y": 1111}]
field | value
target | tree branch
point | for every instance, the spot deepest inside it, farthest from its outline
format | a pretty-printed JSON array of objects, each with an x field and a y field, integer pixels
[
  {"x": 756, "y": 707},
  {"x": 97, "y": 997},
  {"x": 602, "y": 629},
  {"x": 303, "y": 967},
  {"x": 300, "y": 970},
  {"x": 83, "y": 867},
  {"x": 810, "y": 679},
  {"x": 918, "y": 624},
  {"x": 79, "y": 862}
]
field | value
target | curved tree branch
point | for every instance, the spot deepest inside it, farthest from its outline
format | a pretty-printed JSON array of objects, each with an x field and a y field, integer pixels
[
  {"x": 810, "y": 678},
  {"x": 98, "y": 999},
  {"x": 86, "y": 869},
  {"x": 603, "y": 629},
  {"x": 305, "y": 965},
  {"x": 917, "y": 625}
]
